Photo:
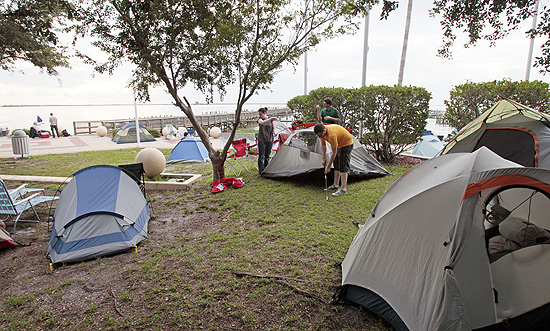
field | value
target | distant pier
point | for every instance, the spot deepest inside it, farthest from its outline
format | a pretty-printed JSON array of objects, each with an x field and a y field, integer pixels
[{"x": 222, "y": 120}]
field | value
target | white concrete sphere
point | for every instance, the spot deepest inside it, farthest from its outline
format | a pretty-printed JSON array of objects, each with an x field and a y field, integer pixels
[
  {"x": 215, "y": 132},
  {"x": 101, "y": 131},
  {"x": 153, "y": 161},
  {"x": 164, "y": 131}
]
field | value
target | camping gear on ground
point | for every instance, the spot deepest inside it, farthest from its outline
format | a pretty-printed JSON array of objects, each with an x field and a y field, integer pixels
[
  {"x": 101, "y": 211},
  {"x": 128, "y": 134},
  {"x": 428, "y": 145},
  {"x": 326, "y": 187},
  {"x": 169, "y": 130},
  {"x": 190, "y": 149},
  {"x": 13, "y": 203},
  {"x": 512, "y": 130},
  {"x": 6, "y": 241},
  {"x": 301, "y": 154},
  {"x": 220, "y": 185},
  {"x": 238, "y": 159},
  {"x": 421, "y": 260}
]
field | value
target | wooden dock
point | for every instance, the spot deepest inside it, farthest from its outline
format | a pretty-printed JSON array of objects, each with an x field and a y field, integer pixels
[{"x": 222, "y": 120}]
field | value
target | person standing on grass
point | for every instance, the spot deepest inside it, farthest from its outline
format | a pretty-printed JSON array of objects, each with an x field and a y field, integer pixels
[
  {"x": 341, "y": 143},
  {"x": 53, "y": 125},
  {"x": 266, "y": 134},
  {"x": 329, "y": 114}
]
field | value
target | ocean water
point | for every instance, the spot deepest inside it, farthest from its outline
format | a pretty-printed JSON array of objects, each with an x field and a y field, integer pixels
[{"x": 20, "y": 117}]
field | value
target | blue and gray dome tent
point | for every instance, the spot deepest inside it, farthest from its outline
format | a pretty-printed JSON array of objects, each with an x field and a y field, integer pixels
[
  {"x": 190, "y": 149},
  {"x": 101, "y": 211},
  {"x": 128, "y": 134},
  {"x": 428, "y": 145}
]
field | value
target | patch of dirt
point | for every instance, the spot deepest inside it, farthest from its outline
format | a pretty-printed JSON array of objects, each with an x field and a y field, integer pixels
[
  {"x": 402, "y": 160},
  {"x": 91, "y": 295}
]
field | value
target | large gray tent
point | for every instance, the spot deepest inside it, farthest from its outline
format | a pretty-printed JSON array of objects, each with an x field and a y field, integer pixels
[
  {"x": 301, "y": 154},
  {"x": 100, "y": 212},
  {"x": 424, "y": 259},
  {"x": 512, "y": 130}
]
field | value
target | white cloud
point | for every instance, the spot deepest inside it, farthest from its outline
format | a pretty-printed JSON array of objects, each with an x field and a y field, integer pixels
[{"x": 334, "y": 63}]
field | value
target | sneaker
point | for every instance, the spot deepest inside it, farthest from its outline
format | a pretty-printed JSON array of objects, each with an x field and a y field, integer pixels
[
  {"x": 339, "y": 192},
  {"x": 331, "y": 187}
]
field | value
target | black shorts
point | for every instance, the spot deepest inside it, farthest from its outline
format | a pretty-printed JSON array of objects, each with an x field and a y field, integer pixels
[{"x": 343, "y": 158}]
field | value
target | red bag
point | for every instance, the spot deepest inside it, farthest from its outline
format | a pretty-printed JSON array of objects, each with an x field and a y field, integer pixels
[{"x": 218, "y": 186}]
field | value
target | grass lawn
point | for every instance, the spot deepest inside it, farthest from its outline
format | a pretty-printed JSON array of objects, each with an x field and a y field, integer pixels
[{"x": 196, "y": 270}]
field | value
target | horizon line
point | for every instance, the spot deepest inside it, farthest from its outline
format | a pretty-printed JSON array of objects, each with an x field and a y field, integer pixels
[{"x": 148, "y": 104}]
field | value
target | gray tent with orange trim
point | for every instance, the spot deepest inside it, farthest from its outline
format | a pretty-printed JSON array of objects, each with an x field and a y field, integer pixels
[
  {"x": 427, "y": 257},
  {"x": 512, "y": 130}
]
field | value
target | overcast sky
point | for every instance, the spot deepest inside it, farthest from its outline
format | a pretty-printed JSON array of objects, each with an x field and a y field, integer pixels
[{"x": 335, "y": 63}]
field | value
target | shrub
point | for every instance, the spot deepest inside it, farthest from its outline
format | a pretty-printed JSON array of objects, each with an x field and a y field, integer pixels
[
  {"x": 468, "y": 101},
  {"x": 154, "y": 132},
  {"x": 386, "y": 118}
]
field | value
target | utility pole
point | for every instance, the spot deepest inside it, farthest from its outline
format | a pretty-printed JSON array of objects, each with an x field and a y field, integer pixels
[
  {"x": 305, "y": 73},
  {"x": 531, "y": 44},
  {"x": 365, "y": 49},
  {"x": 405, "y": 42},
  {"x": 365, "y": 53}
]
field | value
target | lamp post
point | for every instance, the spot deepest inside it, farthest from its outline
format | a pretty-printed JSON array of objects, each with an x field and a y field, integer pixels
[{"x": 129, "y": 81}]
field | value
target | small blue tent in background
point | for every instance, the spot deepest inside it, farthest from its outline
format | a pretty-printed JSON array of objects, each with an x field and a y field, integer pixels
[
  {"x": 428, "y": 145},
  {"x": 101, "y": 211},
  {"x": 190, "y": 149}
]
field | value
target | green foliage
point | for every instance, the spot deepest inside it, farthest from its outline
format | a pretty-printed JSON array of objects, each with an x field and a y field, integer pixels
[
  {"x": 491, "y": 20},
  {"x": 154, "y": 132},
  {"x": 390, "y": 117},
  {"x": 469, "y": 100},
  {"x": 28, "y": 32},
  {"x": 304, "y": 106},
  {"x": 393, "y": 116},
  {"x": 213, "y": 43}
]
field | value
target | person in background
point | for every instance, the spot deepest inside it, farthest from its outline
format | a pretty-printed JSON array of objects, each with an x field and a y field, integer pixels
[
  {"x": 53, "y": 125},
  {"x": 35, "y": 130},
  {"x": 185, "y": 134},
  {"x": 329, "y": 114},
  {"x": 341, "y": 142},
  {"x": 266, "y": 134}
]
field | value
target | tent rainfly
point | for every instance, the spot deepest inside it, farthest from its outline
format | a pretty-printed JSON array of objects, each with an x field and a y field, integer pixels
[
  {"x": 190, "y": 149},
  {"x": 301, "y": 154},
  {"x": 128, "y": 134},
  {"x": 428, "y": 145},
  {"x": 512, "y": 130},
  {"x": 101, "y": 211},
  {"x": 433, "y": 255}
]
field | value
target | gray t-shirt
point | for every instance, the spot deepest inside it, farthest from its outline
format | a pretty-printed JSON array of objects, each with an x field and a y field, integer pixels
[{"x": 265, "y": 133}]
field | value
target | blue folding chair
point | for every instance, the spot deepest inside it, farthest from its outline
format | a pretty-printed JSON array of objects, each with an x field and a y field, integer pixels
[{"x": 13, "y": 203}]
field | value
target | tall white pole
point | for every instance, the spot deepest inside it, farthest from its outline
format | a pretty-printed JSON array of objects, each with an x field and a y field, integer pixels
[
  {"x": 405, "y": 42},
  {"x": 365, "y": 53},
  {"x": 365, "y": 49},
  {"x": 531, "y": 45},
  {"x": 305, "y": 73},
  {"x": 137, "y": 120}
]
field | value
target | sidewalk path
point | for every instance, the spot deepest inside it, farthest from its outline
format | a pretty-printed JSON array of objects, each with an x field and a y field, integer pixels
[{"x": 79, "y": 143}]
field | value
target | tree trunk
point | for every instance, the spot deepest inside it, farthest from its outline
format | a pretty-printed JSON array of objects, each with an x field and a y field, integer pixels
[{"x": 218, "y": 166}]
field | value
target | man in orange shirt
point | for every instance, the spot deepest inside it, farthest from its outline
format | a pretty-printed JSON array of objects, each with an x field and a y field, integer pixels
[{"x": 341, "y": 143}]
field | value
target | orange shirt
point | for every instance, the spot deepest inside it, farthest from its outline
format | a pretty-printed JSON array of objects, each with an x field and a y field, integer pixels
[{"x": 337, "y": 136}]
